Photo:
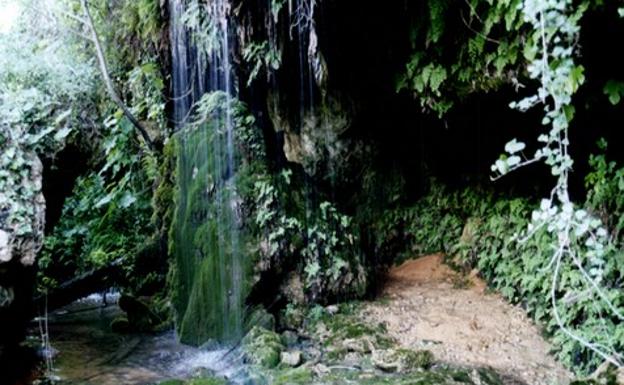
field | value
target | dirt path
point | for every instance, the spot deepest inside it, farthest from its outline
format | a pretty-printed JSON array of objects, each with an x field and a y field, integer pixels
[{"x": 423, "y": 308}]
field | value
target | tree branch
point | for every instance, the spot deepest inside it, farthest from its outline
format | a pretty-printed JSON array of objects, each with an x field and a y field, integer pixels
[{"x": 107, "y": 80}]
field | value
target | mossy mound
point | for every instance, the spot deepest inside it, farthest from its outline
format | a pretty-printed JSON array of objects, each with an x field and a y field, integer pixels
[
  {"x": 262, "y": 347},
  {"x": 293, "y": 377}
]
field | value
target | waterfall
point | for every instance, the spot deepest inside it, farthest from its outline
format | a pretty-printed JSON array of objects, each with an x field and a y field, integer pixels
[{"x": 210, "y": 268}]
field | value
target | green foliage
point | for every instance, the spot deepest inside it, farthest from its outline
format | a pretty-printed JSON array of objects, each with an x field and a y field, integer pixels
[
  {"x": 580, "y": 244},
  {"x": 106, "y": 218},
  {"x": 261, "y": 55},
  {"x": 333, "y": 264},
  {"x": 483, "y": 234},
  {"x": 327, "y": 247},
  {"x": 463, "y": 49},
  {"x": 146, "y": 88},
  {"x": 605, "y": 195},
  {"x": 130, "y": 31},
  {"x": 614, "y": 91},
  {"x": 44, "y": 85},
  {"x": 202, "y": 19}
]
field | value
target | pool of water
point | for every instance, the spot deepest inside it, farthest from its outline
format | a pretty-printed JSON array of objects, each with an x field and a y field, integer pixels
[{"x": 86, "y": 351}]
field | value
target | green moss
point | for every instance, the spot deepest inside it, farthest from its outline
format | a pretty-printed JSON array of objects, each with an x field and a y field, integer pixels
[
  {"x": 210, "y": 237},
  {"x": 343, "y": 327},
  {"x": 297, "y": 376},
  {"x": 421, "y": 359},
  {"x": 441, "y": 376},
  {"x": 207, "y": 381},
  {"x": 262, "y": 347}
]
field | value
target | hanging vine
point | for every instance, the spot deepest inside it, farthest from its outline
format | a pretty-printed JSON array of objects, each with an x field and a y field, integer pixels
[{"x": 581, "y": 239}]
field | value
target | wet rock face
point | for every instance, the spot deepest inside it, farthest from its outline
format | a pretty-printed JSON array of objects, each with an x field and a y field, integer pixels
[{"x": 317, "y": 141}]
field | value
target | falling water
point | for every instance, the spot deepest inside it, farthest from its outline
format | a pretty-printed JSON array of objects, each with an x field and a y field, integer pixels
[{"x": 210, "y": 269}]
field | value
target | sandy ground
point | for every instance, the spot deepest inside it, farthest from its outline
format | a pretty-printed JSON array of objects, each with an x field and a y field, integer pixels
[{"x": 423, "y": 307}]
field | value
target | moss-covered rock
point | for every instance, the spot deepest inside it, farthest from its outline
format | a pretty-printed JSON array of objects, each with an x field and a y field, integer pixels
[
  {"x": 262, "y": 347},
  {"x": 338, "y": 329},
  {"x": 140, "y": 316},
  {"x": 401, "y": 360},
  {"x": 297, "y": 376},
  {"x": 208, "y": 239},
  {"x": 196, "y": 381}
]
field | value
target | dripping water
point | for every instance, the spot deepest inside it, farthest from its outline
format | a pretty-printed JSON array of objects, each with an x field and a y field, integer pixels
[{"x": 211, "y": 291}]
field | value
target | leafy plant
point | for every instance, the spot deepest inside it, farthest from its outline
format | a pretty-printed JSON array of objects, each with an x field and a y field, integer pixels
[
  {"x": 107, "y": 216},
  {"x": 261, "y": 55},
  {"x": 42, "y": 93},
  {"x": 463, "y": 49}
]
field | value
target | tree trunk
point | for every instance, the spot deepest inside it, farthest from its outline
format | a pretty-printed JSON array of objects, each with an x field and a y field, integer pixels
[{"x": 107, "y": 80}]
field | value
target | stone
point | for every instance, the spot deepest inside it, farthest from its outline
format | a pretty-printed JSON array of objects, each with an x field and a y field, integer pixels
[
  {"x": 401, "y": 360},
  {"x": 292, "y": 358}
]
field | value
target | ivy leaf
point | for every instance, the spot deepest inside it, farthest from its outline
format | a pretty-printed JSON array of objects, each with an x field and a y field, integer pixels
[
  {"x": 513, "y": 161},
  {"x": 514, "y": 146},
  {"x": 614, "y": 91}
]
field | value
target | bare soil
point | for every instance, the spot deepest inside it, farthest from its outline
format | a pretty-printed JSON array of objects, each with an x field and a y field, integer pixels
[{"x": 427, "y": 305}]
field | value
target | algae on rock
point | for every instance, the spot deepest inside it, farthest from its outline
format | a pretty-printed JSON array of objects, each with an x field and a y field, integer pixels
[{"x": 213, "y": 266}]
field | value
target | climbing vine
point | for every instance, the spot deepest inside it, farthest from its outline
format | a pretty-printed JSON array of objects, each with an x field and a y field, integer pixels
[{"x": 579, "y": 238}]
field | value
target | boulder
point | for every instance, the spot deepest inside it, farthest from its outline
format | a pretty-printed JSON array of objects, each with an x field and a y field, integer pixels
[{"x": 262, "y": 347}]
